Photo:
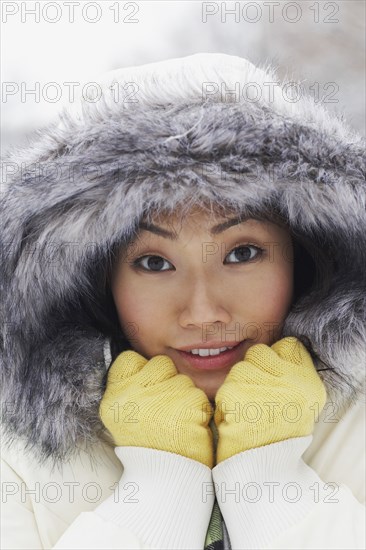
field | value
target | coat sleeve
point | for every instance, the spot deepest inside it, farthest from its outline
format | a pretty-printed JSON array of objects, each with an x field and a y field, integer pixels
[
  {"x": 18, "y": 525},
  {"x": 20, "y": 530},
  {"x": 162, "y": 500},
  {"x": 270, "y": 498}
]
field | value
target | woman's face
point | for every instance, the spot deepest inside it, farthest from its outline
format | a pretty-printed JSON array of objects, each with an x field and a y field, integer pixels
[{"x": 204, "y": 283}]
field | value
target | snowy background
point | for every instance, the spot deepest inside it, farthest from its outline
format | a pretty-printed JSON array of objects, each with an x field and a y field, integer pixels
[{"x": 322, "y": 44}]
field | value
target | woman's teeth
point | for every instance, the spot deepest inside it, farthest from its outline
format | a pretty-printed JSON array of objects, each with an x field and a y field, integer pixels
[{"x": 206, "y": 352}]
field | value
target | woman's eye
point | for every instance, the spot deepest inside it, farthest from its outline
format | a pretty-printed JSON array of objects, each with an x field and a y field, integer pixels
[
  {"x": 240, "y": 254},
  {"x": 243, "y": 254},
  {"x": 151, "y": 263}
]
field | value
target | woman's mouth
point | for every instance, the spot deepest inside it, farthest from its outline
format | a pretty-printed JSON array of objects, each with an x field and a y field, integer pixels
[{"x": 202, "y": 360}]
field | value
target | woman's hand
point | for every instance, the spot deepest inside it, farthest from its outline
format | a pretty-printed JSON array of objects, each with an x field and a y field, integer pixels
[
  {"x": 148, "y": 404},
  {"x": 274, "y": 394}
]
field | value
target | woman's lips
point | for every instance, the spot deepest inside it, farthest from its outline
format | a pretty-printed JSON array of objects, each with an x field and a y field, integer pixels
[{"x": 225, "y": 359}]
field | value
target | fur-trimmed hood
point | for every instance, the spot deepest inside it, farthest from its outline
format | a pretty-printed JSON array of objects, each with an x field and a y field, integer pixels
[{"x": 84, "y": 182}]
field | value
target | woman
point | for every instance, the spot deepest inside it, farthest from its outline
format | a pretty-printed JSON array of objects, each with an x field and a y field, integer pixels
[{"x": 251, "y": 212}]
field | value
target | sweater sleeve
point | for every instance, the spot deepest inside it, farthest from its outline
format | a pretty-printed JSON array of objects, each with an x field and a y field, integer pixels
[
  {"x": 164, "y": 499},
  {"x": 270, "y": 498}
]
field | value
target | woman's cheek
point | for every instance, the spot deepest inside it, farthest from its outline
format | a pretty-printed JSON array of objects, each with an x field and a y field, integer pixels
[
  {"x": 271, "y": 298},
  {"x": 143, "y": 318}
]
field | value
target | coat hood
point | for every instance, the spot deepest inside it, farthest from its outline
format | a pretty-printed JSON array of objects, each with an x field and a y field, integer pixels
[{"x": 174, "y": 137}]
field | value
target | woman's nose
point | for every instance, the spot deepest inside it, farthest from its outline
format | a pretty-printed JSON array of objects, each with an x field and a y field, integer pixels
[{"x": 202, "y": 303}]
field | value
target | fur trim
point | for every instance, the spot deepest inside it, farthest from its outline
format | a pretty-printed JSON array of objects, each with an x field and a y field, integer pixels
[{"x": 85, "y": 181}]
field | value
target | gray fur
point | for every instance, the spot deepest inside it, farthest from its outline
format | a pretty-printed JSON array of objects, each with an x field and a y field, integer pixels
[{"x": 52, "y": 367}]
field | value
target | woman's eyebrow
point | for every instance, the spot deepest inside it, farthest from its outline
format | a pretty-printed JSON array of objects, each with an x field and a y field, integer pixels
[{"x": 219, "y": 228}]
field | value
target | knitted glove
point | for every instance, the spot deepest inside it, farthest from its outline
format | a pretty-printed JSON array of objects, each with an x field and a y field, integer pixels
[
  {"x": 148, "y": 404},
  {"x": 268, "y": 397}
]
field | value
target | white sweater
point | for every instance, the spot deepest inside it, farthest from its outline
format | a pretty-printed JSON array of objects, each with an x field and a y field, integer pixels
[{"x": 300, "y": 493}]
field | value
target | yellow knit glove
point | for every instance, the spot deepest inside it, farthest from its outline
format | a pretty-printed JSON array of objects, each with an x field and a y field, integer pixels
[
  {"x": 274, "y": 394},
  {"x": 148, "y": 404}
]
